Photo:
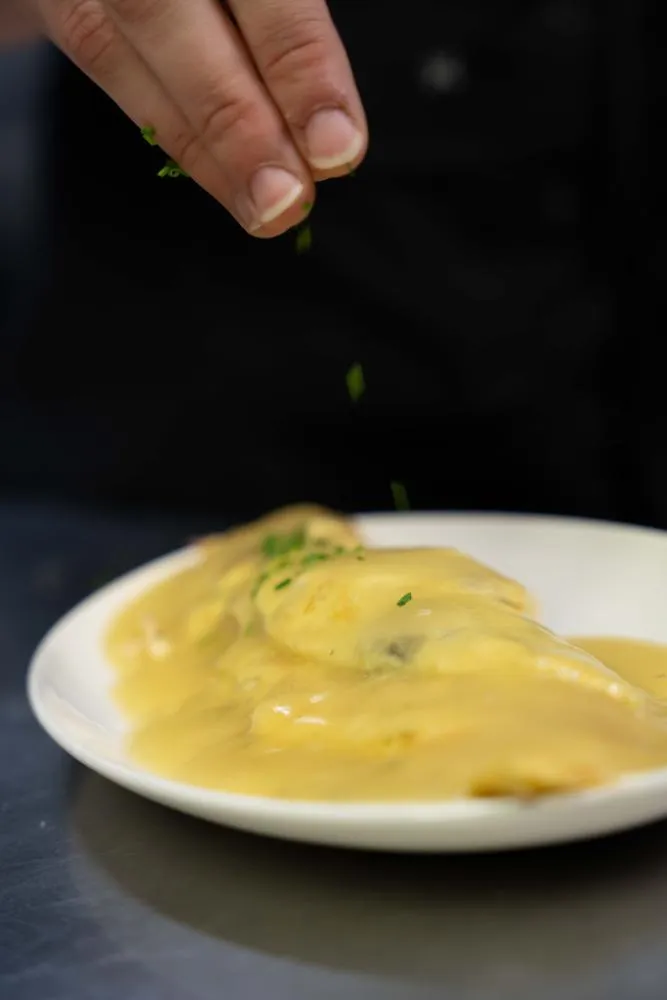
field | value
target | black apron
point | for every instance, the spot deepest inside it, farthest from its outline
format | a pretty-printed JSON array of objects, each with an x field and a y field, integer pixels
[{"x": 489, "y": 266}]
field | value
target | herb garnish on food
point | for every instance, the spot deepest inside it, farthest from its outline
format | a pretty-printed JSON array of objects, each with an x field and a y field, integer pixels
[
  {"x": 283, "y": 550},
  {"x": 279, "y": 545},
  {"x": 402, "y": 601},
  {"x": 314, "y": 557}
]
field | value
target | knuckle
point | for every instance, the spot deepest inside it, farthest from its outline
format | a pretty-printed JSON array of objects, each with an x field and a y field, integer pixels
[
  {"x": 225, "y": 115},
  {"x": 88, "y": 34},
  {"x": 187, "y": 150},
  {"x": 294, "y": 51},
  {"x": 136, "y": 12}
]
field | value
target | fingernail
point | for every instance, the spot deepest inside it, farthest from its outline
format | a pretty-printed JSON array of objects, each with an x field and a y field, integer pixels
[
  {"x": 332, "y": 139},
  {"x": 272, "y": 191}
]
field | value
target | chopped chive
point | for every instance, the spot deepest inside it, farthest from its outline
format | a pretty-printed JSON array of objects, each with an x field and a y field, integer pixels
[
  {"x": 307, "y": 207},
  {"x": 171, "y": 169},
  {"x": 274, "y": 546},
  {"x": 283, "y": 584},
  {"x": 356, "y": 384},
  {"x": 148, "y": 133},
  {"x": 314, "y": 557},
  {"x": 304, "y": 238},
  {"x": 404, "y": 600},
  {"x": 400, "y": 495}
]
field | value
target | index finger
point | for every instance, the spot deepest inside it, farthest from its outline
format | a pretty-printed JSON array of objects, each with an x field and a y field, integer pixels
[{"x": 303, "y": 63}]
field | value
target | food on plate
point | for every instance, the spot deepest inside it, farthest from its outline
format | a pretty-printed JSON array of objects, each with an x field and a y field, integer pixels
[{"x": 290, "y": 660}]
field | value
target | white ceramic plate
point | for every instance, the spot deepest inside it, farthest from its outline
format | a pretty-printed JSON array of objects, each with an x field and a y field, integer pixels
[{"x": 590, "y": 579}]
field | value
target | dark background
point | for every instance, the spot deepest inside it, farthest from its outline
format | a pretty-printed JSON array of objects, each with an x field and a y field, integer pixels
[{"x": 496, "y": 265}]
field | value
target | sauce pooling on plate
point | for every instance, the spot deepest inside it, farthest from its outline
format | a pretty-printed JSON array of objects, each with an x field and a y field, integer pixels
[
  {"x": 640, "y": 662},
  {"x": 290, "y": 661}
]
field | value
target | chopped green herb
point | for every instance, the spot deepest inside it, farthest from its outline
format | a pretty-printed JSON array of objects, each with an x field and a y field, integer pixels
[
  {"x": 314, "y": 557},
  {"x": 400, "y": 495},
  {"x": 283, "y": 584},
  {"x": 304, "y": 238},
  {"x": 274, "y": 546},
  {"x": 171, "y": 169},
  {"x": 307, "y": 207},
  {"x": 148, "y": 133},
  {"x": 356, "y": 385},
  {"x": 404, "y": 600}
]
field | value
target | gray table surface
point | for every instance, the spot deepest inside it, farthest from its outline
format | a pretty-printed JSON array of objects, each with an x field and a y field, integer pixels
[{"x": 103, "y": 895}]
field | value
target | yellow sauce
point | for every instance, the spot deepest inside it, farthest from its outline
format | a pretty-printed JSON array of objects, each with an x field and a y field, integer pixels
[
  {"x": 288, "y": 661},
  {"x": 642, "y": 663}
]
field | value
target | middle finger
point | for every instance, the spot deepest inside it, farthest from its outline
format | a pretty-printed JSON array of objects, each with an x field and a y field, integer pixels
[{"x": 304, "y": 65}]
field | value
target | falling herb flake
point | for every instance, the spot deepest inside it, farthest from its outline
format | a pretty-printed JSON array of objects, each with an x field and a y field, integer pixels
[
  {"x": 304, "y": 238},
  {"x": 283, "y": 584},
  {"x": 148, "y": 133},
  {"x": 404, "y": 600},
  {"x": 274, "y": 546},
  {"x": 400, "y": 495},
  {"x": 356, "y": 385}
]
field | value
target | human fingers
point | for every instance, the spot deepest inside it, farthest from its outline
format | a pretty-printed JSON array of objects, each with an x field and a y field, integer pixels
[
  {"x": 302, "y": 61},
  {"x": 198, "y": 56},
  {"x": 86, "y": 32}
]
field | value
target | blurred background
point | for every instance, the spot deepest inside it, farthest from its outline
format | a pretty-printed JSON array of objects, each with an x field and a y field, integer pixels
[
  {"x": 495, "y": 266},
  {"x": 22, "y": 77}
]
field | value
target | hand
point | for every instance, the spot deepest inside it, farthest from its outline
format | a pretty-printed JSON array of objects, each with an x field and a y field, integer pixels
[
  {"x": 255, "y": 99},
  {"x": 17, "y": 23}
]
